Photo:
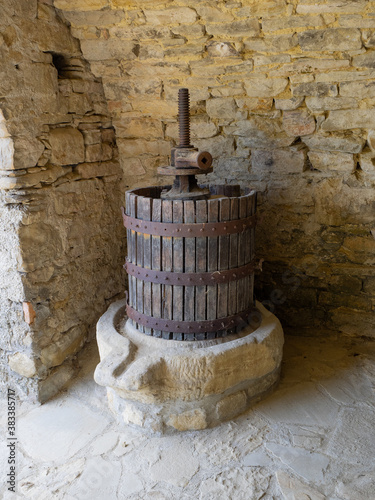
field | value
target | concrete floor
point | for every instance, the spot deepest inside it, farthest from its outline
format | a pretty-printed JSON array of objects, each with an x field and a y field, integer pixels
[{"x": 314, "y": 438}]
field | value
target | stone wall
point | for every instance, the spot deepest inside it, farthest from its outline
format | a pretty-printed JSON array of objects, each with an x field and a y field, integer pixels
[
  {"x": 61, "y": 238},
  {"x": 282, "y": 96}
]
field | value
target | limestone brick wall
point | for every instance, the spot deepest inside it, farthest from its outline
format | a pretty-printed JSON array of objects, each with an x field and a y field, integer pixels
[
  {"x": 61, "y": 241},
  {"x": 282, "y": 96}
]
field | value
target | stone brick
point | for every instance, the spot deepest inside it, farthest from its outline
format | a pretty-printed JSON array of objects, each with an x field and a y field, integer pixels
[
  {"x": 337, "y": 204},
  {"x": 257, "y": 132},
  {"x": 369, "y": 285},
  {"x": 189, "y": 420},
  {"x": 264, "y": 8},
  {"x": 339, "y": 6},
  {"x": 27, "y": 152},
  {"x": 248, "y": 28},
  {"x": 72, "y": 5},
  {"x": 178, "y": 15},
  {"x": 306, "y": 65},
  {"x": 218, "y": 146},
  {"x": 298, "y": 123},
  {"x": 140, "y": 127},
  {"x": 212, "y": 14},
  {"x": 364, "y": 60},
  {"x": 330, "y": 39},
  {"x": 277, "y": 43},
  {"x": 314, "y": 89},
  {"x": 7, "y": 153},
  {"x": 291, "y": 22},
  {"x": 255, "y": 105},
  {"x": 100, "y": 50},
  {"x": 345, "y": 284},
  {"x": 96, "y": 18},
  {"x": 359, "y": 249},
  {"x": 68, "y": 344},
  {"x": 221, "y": 108},
  {"x": 274, "y": 59},
  {"x": 356, "y": 21},
  {"x": 231, "y": 405},
  {"x": 350, "y": 321},
  {"x": 279, "y": 161},
  {"x": 317, "y": 104},
  {"x": 265, "y": 87},
  {"x": 345, "y": 76},
  {"x": 349, "y": 119},
  {"x": 343, "y": 142},
  {"x": 22, "y": 364},
  {"x": 353, "y": 89},
  {"x": 288, "y": 104},
  {"x": 221, "y": 49},
  {"x": 47, "y": 176},
  {"x": 67, "y": 146},
  {"x": 326, "y": 162}
]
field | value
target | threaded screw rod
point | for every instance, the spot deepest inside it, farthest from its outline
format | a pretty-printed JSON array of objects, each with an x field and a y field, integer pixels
[{"x": 184, "y": 118}]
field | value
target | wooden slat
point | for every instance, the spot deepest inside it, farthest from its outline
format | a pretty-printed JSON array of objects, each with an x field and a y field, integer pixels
[
  {"x": 178, "y": 266},
  {"x": 189, "y": 254},
  {"x": 156, "y": 264},
  {"x": 146, "y": 211},
  {"x": 241, "y": 258},
  {"x": 212, "y": 263},
  {"x": 167, "y": 264},
  {"x": 133, "y": 255},
  {"x": 139, "y": 256},
  {"x": 222, "y": 289},
  {"x": 200, "y": 266},
  {"x": 233, "y": 259},
  {"x": 248, "y": 255}
]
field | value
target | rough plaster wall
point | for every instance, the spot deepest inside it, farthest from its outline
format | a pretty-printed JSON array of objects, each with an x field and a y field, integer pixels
[
  {"x": 282, "y": 95},
  {"x": 61, "y": 237}
]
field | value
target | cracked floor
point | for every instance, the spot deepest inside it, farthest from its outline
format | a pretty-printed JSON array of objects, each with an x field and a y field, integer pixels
[{"x": 313, "y": 438}]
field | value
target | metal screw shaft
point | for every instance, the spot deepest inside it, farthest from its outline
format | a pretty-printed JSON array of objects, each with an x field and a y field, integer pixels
[{"x": 184, "y": 118}]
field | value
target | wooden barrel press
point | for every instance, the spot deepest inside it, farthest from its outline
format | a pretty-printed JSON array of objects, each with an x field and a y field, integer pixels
[{"x": 190, "y": 262}]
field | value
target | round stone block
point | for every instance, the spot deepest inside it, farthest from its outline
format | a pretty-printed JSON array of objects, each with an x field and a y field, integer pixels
[{"x": 168, "y": 385}]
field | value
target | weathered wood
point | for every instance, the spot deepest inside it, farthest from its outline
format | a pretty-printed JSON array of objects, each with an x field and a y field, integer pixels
[
  {"x": 133, "y": 254},
  {"x": 156, "y": 264},
  {"x": 167, "y": 263},
  {"x": 200, "y": 266},
  {"x": 191, "y": 255},
  {"x": 178, "y": 266},
  {"x": 233, "y": 259},
  {"x": 212, "y": 263},
  {"x": 146, "y": 209},
  {"x": 189, "y": 251},
  {"x": 222, "y": 290},
  {"x": 139, "y": 256},
  {"x": 241, "y": 304}
]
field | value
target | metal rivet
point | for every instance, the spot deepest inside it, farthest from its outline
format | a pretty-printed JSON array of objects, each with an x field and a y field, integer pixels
[
  {"x": 189, "y": 327},
  {"x": 200, "y": 279},
  {"x": 190, "y": 230},
  {"x": 147, "y": 275},
  {"x": 235, "y": 227},
  {"x": 225, "y": 227},
  {"x": 201, "y": 230},
  {"x": 213, "y": 229},
  {"x": 156, "y": 277}
]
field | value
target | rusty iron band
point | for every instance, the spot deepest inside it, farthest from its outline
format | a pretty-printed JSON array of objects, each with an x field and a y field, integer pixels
[
  {"x": 189, "y": 279},
  {"x": 243, "y": 318},
  {"x": 194, "y": 230}
]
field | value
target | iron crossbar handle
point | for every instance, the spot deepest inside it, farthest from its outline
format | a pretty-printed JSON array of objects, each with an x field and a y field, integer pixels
[
  {"x": 188, "y": 279},
  {"x": 250, "y": 316},
  {"x": 188, "y": 230}
]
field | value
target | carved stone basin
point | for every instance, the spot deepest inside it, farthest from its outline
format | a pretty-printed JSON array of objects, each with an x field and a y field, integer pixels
[{"x": 168, "y": 385}]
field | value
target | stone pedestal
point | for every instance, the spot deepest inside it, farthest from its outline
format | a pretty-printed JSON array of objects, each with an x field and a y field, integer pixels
[{"x": 168, "y": 385}]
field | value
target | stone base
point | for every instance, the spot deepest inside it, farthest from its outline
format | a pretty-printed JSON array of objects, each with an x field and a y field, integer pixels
[{"x": 167, "y": 385}]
